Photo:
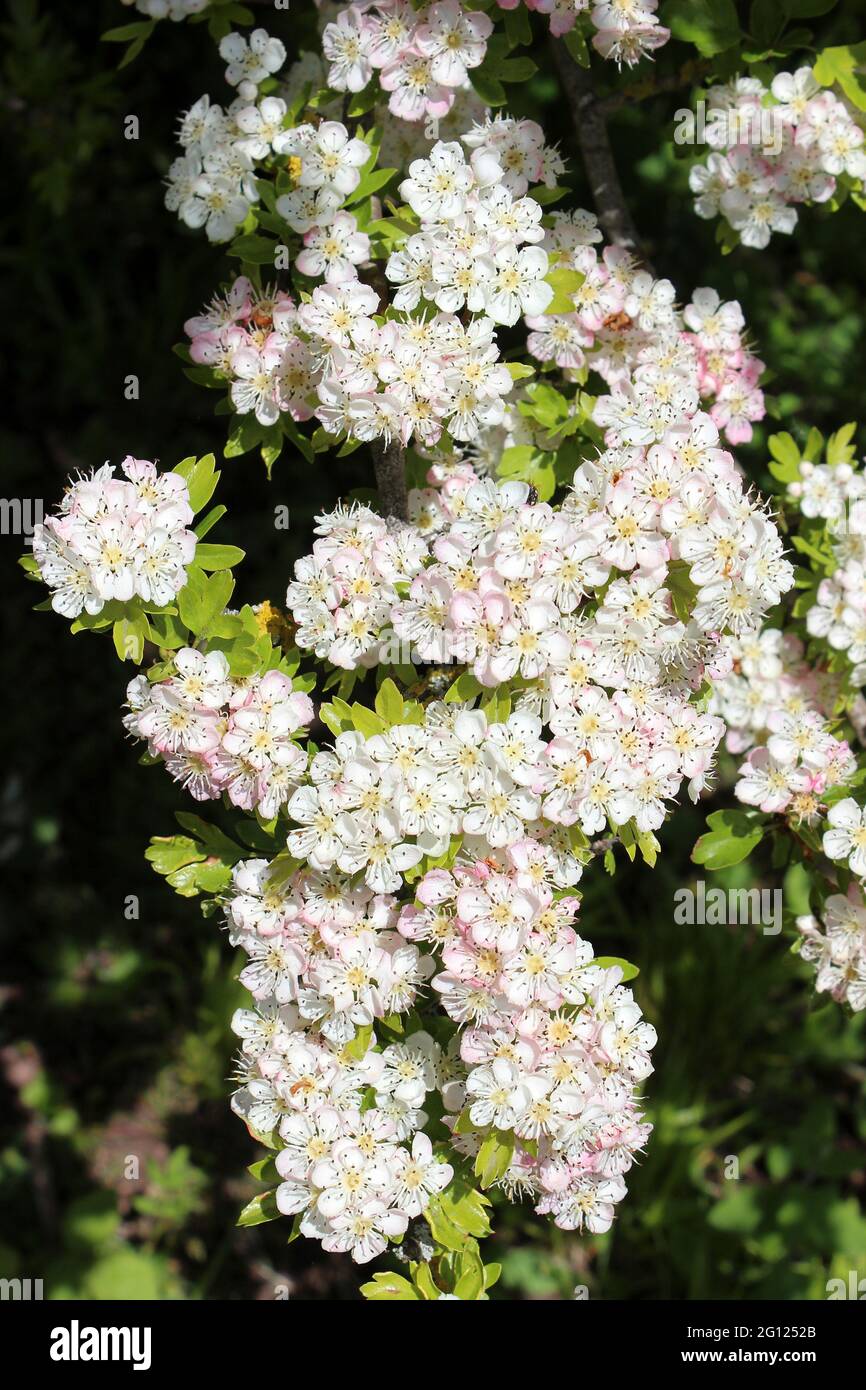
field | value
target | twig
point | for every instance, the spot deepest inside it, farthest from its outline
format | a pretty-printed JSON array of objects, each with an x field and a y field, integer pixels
[
  {"x": 602, "y": 846},
  {"x": 591, "y": 130}
]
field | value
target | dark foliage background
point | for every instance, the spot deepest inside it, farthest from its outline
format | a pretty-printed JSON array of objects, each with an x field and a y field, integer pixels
[{"x": 115, "y": 1031}]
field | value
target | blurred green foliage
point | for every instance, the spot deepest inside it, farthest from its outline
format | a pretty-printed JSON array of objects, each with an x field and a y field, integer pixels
[{"x": 121, "y": 1167}]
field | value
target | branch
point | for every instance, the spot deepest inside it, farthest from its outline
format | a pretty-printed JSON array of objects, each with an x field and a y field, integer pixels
[
  {"x": 389, "y": 462},
  {"x": 589, "y": 123},
  {"x": 686, "y": 76},
  {"x": 389, "y": 458}
]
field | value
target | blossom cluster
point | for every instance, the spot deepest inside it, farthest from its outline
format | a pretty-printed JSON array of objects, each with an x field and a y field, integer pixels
[
  {"x": 419, "y": 376},
  {"x": 379, "y": 804},
  {"x": 836, "y": 494},
  {"x": 838, "y": 953},
  {"x": 659, "y": 362},
  {"x": 626, "y": 30},
  {"x": 423, "y": 55},
  {"x": 773, "y": 150},
  {"x": 553, "y": 1045},
  {"x": 468, "y": 253},
  {"x": 251, "y": 339},
  {"x": 375, "y": 806},
  {"x": 579, "y": 604},
  {"x": 116, "y": 539},
  {"x": 217, "y": 734},
  {"x": 213, "y": 183},
  {"x": 324, "y": 961},
  {"x": 775, "y": 705}
]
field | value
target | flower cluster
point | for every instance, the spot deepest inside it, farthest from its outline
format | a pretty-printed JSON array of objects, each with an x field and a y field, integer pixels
[
  {"x": 660, "y": 363},
  {"x": 582, "y": 605},
  {"x": 839, "y": 952},
  {"x": 251, "y": 339},
  {"x": 117, "y": 539},
  {"x": 775, "y": 704},
  {"x": 217, "y": 734},
  {"x": 626, "y": 30},
  {"x": 773, "y": 150},
  {"x": 213, "y": 184},
  {"x": 553, "y": 1045},
  {"x": 419, "y": 376},
  {"x": 423, "y": 54},
  {"x": 375, "y": 806},
  {"x": 468, "y": 253},
  {"x": 836, "y": 495},
  {"x": 324, "y": 962}
]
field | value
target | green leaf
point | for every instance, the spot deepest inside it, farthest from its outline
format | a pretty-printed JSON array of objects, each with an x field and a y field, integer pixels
[
  {"x": 490, "y": 89},
  {"x": 731, "y": 838},
  {"x": 389, "y": 703},
  {"x": 254, "y": 250},
  {"x": 682, "y": 590},
  {"x": 337, "y": 716},
  {"x": 245, "y": 433},
  {"x": 262, "y": 1208},
  {"x": 208, "y": 522},
  {"x": 362, "y": 102},
  {"x": 201, "y": 478},
  {"x": 711, "y": 25},
  {"x": 218, "y": 557},
  {"x": 167, "y": 853},
  {"x": 465, "y": 687},
  {"x": 264, "y": 1170},
  {"x": 456, "y": 1213},
  {"x": 366, "y": 722},
  {"x": 359, "y": 1046},
  {"x": 202, "y": 601},
  {"x": 370, "y": 183},
  {"x": 130, "y": 635},
  {"x": 469, "y": 1283},
  {"x": 390, "y": 1288},
  {"x": 575, "y": 42},
  {"x": 494, "y": 1156},
  {"x": 516, "y": 69},
  {"x": 786, "y": 456},
  {"x": 839, "y": 446},
  {"x": 210, "y": 837},
  {"x": 518, "y": 29},
  {"x": 840, "y": 65},
  {"x": 123, "y": 32}
]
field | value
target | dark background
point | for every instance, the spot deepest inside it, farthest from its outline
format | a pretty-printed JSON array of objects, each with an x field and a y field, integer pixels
[{"x": 115, "y": 1039}]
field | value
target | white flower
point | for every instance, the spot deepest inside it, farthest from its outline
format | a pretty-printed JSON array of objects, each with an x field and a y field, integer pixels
[
  {"x": 418, "y": 1176},
  {"x": 846, "y": 839},
  {"x": 251, "y": 61},
  {"x": 436, "y": 188}
]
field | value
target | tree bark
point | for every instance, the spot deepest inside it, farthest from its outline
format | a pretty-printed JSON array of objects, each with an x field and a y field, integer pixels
[{"x": 591, "y": 130}]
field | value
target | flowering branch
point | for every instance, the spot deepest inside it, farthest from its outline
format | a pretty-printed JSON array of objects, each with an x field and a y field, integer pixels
[{"x": 591, "y": 130}]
